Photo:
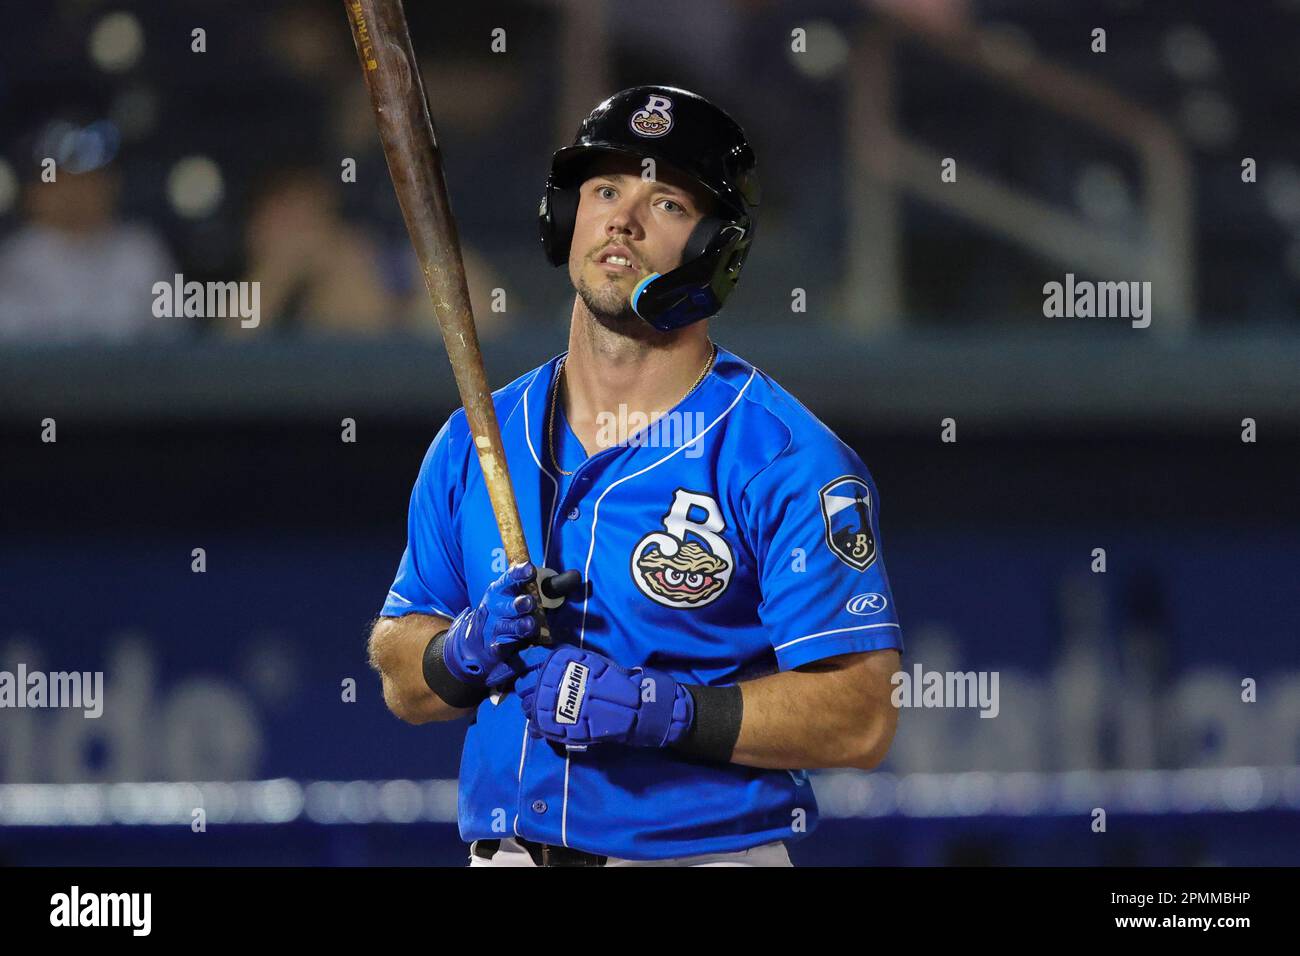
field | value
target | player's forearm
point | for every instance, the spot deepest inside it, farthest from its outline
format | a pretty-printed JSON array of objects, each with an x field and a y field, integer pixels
[
  {"x": 397, "y": 647},
  {"x": 839, "y": 715}
]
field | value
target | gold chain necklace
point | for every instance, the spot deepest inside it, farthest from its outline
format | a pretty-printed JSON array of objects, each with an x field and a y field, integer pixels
[{"x": 555, "y": 395}]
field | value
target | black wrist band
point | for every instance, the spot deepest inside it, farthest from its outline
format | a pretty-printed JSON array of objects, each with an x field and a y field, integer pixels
[
  {"x": 440, "y": 680},
  {"x": 716, "y": 728}
]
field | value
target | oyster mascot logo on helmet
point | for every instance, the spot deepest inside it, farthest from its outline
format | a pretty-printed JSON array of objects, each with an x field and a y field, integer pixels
[
  {"x": 684, "y": 131},
  {"x": 654, "y": 119}
]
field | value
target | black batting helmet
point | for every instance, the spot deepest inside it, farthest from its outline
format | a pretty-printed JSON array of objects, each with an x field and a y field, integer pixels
[{"x": 686, "y": 131}]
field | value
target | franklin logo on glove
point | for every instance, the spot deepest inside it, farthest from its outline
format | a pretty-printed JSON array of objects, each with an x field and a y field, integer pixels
[{"x": 573, "y": 687}]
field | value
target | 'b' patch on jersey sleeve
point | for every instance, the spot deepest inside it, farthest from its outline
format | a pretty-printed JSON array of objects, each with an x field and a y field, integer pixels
[{"x": 846, "y": 509}]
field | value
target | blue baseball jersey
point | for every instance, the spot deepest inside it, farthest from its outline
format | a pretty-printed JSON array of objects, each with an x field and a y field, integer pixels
[{"x": 734, "y": 537}]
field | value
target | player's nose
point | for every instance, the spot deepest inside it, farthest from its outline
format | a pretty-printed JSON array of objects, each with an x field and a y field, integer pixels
[{"x": 624, "y": 221}]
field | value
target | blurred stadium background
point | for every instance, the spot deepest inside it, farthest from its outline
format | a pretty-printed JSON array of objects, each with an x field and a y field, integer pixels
[{"x": 924, "y": 300}]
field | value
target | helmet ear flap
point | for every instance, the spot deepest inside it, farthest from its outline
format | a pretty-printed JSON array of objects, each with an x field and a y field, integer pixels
[
  {"x": 698, "y": 287},
  {"x": 556, "y": 218}
]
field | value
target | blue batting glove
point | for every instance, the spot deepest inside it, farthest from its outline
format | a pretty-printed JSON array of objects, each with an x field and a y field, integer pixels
[
  {"x": 483, "y": 641},
  {"x": 578, "y": 697}
]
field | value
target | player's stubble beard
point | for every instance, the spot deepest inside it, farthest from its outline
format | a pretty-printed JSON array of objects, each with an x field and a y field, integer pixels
[{"x": 611, "y": 308}]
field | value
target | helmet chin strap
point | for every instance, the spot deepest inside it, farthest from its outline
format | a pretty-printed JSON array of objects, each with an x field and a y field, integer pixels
[{"x": 640, "y": 287}]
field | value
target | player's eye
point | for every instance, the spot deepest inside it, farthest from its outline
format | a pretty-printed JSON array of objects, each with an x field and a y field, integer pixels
[
  {"x": 676, "y": 207},
  {"x": 606, "y": 192}
]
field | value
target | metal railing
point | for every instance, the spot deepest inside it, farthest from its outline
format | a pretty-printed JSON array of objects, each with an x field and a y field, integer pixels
[{"x": 884, "y": 163}]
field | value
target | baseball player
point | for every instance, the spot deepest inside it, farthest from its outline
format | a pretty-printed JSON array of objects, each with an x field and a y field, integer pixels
[{"x": 712, "y": 573}]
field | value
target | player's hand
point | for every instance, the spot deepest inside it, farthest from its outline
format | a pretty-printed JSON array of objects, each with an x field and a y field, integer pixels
[
  {"x": 482, "y": 642},
  {"x": 577, "y": 698}
]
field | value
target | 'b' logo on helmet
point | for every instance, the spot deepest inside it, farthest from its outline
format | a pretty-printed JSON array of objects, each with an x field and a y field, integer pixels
[{"x": 653, "y": 119}]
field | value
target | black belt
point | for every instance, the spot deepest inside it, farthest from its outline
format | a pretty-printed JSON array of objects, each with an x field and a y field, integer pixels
[{"x": 543, "y": 854}]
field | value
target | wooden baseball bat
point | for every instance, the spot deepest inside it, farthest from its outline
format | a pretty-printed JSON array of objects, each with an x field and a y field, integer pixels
[{"x": 410, "y": 143}]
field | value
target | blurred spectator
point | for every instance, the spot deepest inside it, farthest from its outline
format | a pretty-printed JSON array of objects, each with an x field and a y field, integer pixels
[
  {"x": 321, "y": 273},
  {"x": 316, "y": 271},
  {"x": 74, "y": 272}
]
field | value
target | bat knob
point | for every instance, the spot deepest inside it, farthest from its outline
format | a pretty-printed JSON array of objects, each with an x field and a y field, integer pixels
[{"x": 561, "y": 585}]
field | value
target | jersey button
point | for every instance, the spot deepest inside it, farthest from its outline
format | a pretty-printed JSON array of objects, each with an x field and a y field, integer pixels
[
  {"x": 539, "y": 806},
  {"x": 574, "y": 512}
]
